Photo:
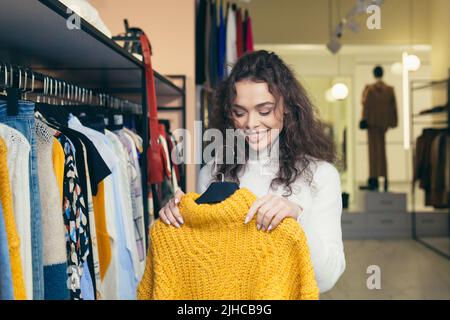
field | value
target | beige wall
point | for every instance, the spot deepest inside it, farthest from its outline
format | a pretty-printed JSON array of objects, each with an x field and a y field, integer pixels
[
  {"x": 170, "y": 25},
  {"x": 307, "y": 21},
  {"x": 440, "y": 42}
]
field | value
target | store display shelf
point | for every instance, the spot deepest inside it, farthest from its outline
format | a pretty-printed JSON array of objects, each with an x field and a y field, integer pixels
[{"x": 35, "y": 34}]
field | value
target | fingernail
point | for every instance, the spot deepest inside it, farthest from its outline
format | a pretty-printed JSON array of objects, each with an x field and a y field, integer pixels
[
  {"x": 167, "y": 222},
  {"x": 177, "y": 200},
  {"x": 270, "y": 228},
  {"x": 258, "y": 226},
  {"x": 246, "y": 220},
  {"x": 181, "y": 220}
]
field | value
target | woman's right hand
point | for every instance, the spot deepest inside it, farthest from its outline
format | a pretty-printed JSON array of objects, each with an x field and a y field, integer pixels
[{"x": 170, "y": 214}]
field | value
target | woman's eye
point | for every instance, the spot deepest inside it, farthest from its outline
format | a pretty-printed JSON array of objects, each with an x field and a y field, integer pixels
[
  {"x": 238, "y": 114},
  {"x": 265, "y": 113}
]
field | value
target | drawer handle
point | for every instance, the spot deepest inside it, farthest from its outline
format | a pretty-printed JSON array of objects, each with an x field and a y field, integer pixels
[
  {"x": 347, "y": 222},
  {"x": 428, "y": 221},
  {"x": 387, "y": 221},
  {"x": 386, "y": 202}
]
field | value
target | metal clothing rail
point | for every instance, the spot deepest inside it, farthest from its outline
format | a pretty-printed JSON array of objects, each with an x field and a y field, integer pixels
[{"x": 55, "y": 91}]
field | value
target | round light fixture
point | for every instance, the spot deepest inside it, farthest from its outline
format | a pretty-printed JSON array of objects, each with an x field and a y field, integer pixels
[
  {"x": 329, "y": 96},
  {"x": 412, "y": 62},
  {"x": 339, "y": 91},
  {"x": 397, "y": 68}
]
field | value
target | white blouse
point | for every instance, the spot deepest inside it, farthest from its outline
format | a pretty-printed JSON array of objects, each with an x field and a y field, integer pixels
[{"x": 322, "y": 207}]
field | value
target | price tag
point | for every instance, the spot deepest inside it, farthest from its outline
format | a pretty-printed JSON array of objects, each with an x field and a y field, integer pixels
[{"x": 118, "y": 119}]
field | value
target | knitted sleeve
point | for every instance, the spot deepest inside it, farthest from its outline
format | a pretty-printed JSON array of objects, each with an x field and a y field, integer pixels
[{"x": 10, "y": 225}]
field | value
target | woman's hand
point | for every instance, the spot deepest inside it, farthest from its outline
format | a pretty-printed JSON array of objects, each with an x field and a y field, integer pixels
[
  {"x": 170, "y": 214},
  {"x": 271, "y": 210}
]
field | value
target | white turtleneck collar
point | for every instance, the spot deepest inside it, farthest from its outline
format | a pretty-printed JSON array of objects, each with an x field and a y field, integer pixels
[{"x": 270, "y": 152}]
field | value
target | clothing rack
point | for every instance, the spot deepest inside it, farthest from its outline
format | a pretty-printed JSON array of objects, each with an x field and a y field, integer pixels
[
  {"x": 83, "y": 57},
  {"x": 444, "y": 124},
  {"x": 48, "y": 89}
]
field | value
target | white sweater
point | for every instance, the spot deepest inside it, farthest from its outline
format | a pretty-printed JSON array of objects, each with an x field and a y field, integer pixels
[{"x": 322, "y": 207}]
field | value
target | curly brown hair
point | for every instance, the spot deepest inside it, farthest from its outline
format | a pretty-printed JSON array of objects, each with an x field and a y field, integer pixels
[{"x": 302, "y": 137}]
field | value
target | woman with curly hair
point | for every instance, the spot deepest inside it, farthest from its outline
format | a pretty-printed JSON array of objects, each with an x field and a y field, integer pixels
[{"x": 289, "y": 163}]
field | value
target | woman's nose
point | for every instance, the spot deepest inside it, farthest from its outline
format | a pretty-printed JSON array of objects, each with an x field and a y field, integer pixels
[{"x": 252, "y": 122}]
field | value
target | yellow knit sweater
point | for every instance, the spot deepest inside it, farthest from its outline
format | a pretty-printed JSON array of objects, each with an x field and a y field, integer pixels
[
  {"x": 6, "y": 199},
  {"x": 214, "y": 255}
]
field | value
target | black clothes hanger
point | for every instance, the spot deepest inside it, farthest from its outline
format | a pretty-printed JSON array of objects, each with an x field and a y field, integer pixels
[
  {"x": 12, "y": 101},
  {"x": 115, "y": 121},
  {"x": 57, "y": 115},
  {"x": 13, "y": 92},
  {"x": 218, "y": 191}
]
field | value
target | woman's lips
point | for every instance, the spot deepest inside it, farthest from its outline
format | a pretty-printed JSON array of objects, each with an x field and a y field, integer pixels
[{"x": 254, "y": 137}]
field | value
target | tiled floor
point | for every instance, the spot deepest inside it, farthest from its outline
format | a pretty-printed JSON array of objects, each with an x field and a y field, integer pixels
[{"x": 408, "y": 271}]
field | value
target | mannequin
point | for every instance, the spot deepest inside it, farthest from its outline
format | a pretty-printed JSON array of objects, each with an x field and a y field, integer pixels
[{"x": 379, "y": 114}]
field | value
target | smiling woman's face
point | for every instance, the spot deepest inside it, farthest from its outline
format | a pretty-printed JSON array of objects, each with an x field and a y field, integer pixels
[{"x": 254, "y": 111}]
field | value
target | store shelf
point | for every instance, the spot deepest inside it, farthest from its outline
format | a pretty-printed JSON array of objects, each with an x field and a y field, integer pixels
[{"x": 35, "y": 34}]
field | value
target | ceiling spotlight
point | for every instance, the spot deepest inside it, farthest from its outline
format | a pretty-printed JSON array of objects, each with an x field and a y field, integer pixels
[
  {"x": 353, "y": 26},
  {"x": 334, "y": 45},
  {"x": 339, "y": 91}
]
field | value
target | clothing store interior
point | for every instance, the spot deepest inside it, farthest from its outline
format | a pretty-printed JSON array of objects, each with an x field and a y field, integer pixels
[{"x": 103, "y": 110}]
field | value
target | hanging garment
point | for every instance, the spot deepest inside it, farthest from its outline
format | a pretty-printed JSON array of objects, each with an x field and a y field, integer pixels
[
  {"x": 208, "y": 44},
  {"x": 232, "y": 55},
  {"x": 244, "y": 30},
  {"x": 214, "y": 240},
  {"x": 135, "y": 182},
  {"x": 24, "y": 123},
  {"x": 213, "y": 46},
  {"x": 155, "y": 165},
  {"x": 128, "y": 255},
  {"x": 58, "y": 160},
  {"x": 175, "y": 160},
  {"x": 18, "y": 166},
  {"x": 439, "y": 193},
  {"x": 6, "y": 283},
  {"x": 136, "y": 139},
  {"x": 423, "y": 163},
  {"x": 99, "y": 170},
  {"x": 249, "y": 36},
  {"x": 90, "y": 265},
  {"x": 10, "y": 226},
  {"x": 380, "y": 113},
  {"x": 119, "y": 278},
  {"x": 110, "y": 281},
  {"x": 200, "y": 26},
  {"x": 239, "y": 34},
  {"x": 222, "y": 45},
  {"x": 75, "y": 219},
  {"x": 53, "y": 229}
]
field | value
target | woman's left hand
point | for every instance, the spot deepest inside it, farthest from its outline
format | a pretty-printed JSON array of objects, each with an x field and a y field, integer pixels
[{"x": 270, "y": 210}]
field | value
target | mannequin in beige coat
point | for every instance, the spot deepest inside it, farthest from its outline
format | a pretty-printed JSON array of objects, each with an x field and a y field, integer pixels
[{"x": 379, "y": 114}]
